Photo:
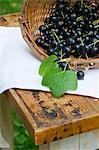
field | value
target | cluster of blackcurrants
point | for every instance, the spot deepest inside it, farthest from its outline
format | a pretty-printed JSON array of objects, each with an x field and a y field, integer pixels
[{"x": 71, "y": 30}]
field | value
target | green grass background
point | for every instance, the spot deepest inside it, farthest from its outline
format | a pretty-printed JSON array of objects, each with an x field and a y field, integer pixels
[
  {"x": 10, "y": 6},
  {"x": 22, "y": 140}
]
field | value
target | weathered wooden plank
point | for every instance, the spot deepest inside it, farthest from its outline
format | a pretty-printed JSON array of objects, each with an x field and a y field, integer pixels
[
  {"x": 9, "y": 20},
  {"x": 51, "y": 119},
  {"x": 6, "y": 125},
  {"x": 17, "y": 104},
  {"x": 3, "y": 143}
]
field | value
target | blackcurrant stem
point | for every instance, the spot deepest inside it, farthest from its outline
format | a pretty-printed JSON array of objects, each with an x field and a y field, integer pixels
[
  {"x": 97, "y": 41},
  {"x": 82, "y": 41},
  {"x": 56, "y": 36},
  {"x": 67, "y": 60},
  {"x": 88, "y": 60},
  {"x": 61, "y": 54},
  {"x": 97, "y": 26},
  {"x": 47, "y": 26},
  {"x": 58, "y": 42},
  {"x": 65, "y": 67},
  {"x": 67, "y": 63},
  {"x": 95, "y": 22},
  {"x": 64, "y": 60},
  {"x": 85, "y": 35},
  {"x": 65, "y": 29},
  {"x": 73, "y": 51},
  {"x": 89, "y": 7},
  {"x": 80, "y": 18},
  {"x": 80, "y": 57},
  {"x": 87, "y": 56},
  {"x": 53, "y": 37},
  {"x": 72, "y": 68},
  {"x": 81, "y": 3},
  {"x": 62, "y": 14}
]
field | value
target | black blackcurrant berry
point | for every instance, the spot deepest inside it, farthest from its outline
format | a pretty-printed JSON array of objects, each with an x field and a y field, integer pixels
[{"x": 80, "y": 75}]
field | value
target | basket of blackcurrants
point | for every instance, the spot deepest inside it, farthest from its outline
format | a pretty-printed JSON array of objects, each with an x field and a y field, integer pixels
[{"x": 68, "y": 32}]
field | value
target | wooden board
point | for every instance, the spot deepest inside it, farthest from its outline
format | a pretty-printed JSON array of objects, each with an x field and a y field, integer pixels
[
  {"x": 6, "y": 124},
  {"x": 49, "y": 119},
  {"x": 9, "y": 20}
]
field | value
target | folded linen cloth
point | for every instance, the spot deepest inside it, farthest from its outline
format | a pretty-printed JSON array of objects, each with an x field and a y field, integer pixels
[{"x": 19, "y": 68}]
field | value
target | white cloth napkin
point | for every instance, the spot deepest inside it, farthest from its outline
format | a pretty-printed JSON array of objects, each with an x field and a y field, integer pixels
[{"x": 19, "y": 68}]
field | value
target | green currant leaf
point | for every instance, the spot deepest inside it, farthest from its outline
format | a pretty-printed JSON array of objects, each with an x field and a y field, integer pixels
[
  {"x": 59, "y": 82},
  {"x": 49, "y": 74},
  {"x": 47, "y": 65},
  {"x": 72, "y": 80},
  {"x": 62, "y": 82}
]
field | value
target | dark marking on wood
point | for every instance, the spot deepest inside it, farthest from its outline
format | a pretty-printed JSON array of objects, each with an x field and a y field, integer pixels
[
  {"x": 61, "y": 112},
  {"x": 39, "y": 123},
  {"x": 60, "y": 138},
  {"x": 3, "y": 19},
  {"x": 49, "y": 113},
  {"x": 80, "y": 130},
  {"x": 42, "y": 105},
  {"x": 55, "y": 138},
  {"x": 76, "y": 112},
  {"x": 71, "y": 135},
  {"x": 36, "y": 95},
  {"x": 41, "y": 102},
  {"x": 55, "y": 104},
  {"x": 69, "y": 103},
  {"x": 45, "y": 142},
  {"x": 65, "y": 129}
]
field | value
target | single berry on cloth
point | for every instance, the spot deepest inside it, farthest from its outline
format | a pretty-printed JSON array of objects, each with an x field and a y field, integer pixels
[{"x": 80, "y": 75}]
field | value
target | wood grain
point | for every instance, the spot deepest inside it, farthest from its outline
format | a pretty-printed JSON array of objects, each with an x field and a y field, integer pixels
[
  {"x": 49, "y": 119},
  {"x": 9, "y": 20},
  {"x": 6, "y": 125}
]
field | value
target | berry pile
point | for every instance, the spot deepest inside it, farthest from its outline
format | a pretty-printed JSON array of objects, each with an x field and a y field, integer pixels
[{"x": 71, "y": 30}]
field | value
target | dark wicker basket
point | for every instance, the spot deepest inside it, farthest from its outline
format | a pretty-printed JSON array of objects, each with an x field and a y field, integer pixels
[{"x": 33, "y": 15}]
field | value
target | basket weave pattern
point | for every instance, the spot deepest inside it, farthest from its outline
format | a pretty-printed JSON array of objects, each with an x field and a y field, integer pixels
[{"x": 32, "y": 17}]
